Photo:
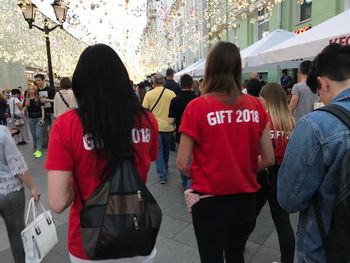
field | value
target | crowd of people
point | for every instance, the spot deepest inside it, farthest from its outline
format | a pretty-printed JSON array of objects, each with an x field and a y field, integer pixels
[{"x": 240, "y": 145}]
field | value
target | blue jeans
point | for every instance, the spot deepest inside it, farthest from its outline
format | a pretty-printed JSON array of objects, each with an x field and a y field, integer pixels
[
  {"x": 164, "y": 142},
  {"x": 185, "y": 181},
  {"x": 37, "y": 133}
]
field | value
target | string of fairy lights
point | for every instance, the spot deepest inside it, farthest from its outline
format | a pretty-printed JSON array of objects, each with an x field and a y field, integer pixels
[{"x": 186, "y": 25}]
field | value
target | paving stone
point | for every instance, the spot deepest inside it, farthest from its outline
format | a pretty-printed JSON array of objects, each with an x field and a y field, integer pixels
[{"x": 266, "y": 255}]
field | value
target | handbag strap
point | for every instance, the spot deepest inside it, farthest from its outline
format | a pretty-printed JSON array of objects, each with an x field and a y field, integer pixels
[
  {"x": 155, "y": 104},
  {"x": 31, "y": 207},
  {"x": 63, "y": 99}
]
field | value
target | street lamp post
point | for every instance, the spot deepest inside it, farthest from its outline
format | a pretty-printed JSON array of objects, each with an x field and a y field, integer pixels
[{"x": 29, "y": 11}]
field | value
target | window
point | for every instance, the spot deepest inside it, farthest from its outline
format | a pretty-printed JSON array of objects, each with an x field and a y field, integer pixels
[
  {"x": 304, "y": 10},
  {"x": 263, "y": 23},
  {"x": 234, "y": 36}
]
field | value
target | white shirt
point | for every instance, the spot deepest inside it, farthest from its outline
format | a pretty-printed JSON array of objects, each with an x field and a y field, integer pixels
[{"x": 13, "y": 102}]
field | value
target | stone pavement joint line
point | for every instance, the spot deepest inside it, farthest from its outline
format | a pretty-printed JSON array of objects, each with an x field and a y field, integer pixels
[{"x": 176, "y": 241}]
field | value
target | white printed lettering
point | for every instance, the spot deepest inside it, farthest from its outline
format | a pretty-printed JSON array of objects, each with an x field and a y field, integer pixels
[
  {"x": 247, "y": 116},
  {"x": 141, "y": 135},
  {"x": 219, "y": 117},
  {"x": 88, "y": 142}
]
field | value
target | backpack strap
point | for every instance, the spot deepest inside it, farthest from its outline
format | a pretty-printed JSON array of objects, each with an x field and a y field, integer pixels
[
  {"x": 344, "y": 115},
  {"x": 338, "y": 111}
]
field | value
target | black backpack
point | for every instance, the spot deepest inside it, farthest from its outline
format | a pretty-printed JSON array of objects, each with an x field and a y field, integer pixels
[
  {"x": 337, "y": 241},
  {"x": 121, "y": 218}
]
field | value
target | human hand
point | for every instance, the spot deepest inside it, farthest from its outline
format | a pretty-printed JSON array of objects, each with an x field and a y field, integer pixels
[
  {"x": 27, "y": 102},
  {"x": 43, "y": 100},
  {"x": 35, "y": 193}
]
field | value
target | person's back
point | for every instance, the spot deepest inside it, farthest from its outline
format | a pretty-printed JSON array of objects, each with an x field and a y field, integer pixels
[
  {"x": 64, "y": 99},
  {"x": 161, "y": 109},
  {"x": 88, "y": 143},
  {"x": 180, "y": 102},
  {"x": 170, "y": 82},
  {"x": 306, "y": 101},
  {"x": 315, "y": 150}
]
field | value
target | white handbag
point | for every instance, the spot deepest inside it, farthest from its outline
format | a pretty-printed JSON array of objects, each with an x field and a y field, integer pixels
[{"x": 40, "y": 235}]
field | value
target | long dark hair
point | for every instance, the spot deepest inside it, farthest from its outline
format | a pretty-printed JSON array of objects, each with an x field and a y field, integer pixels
[
  {"x": 223, "y": 70},
  {"x": 107, "y": 105}
]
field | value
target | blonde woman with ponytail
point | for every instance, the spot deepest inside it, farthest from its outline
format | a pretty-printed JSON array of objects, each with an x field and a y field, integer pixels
[{"x": 281, "y": 126}]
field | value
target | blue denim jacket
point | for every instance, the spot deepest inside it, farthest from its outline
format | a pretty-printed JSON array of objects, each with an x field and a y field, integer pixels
[{"x": 317, "y": 145}]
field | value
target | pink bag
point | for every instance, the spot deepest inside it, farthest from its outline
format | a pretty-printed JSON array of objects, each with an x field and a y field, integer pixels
[{"x": 192, "y": 198}]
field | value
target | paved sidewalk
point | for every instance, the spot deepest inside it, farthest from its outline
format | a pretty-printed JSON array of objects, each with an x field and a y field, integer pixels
[{"x": 176, "y": 242}]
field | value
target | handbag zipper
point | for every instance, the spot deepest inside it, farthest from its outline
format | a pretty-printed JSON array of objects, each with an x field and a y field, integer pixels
[{"x": 35, "y": 244}]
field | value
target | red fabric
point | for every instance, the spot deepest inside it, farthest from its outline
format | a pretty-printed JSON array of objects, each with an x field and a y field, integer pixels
[
  {"x": 67, "y": 151},
  {"x": 225, "y": 152},
  {"x": 279, "y": 141}
]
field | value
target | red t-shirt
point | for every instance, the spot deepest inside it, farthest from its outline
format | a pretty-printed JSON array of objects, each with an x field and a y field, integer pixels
[
  {"x": 226, "y": 143},
  {"x": 70, "y": 150},
  {"x": 279, "y": 142}
]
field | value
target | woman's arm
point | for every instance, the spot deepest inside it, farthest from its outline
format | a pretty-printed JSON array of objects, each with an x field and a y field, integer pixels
[
  {"x": 267, "y": 155},
  {"x": 42, "y": 113},
  {"x": 184, "y": 155},
  {"x": 60, "y": 190},
  {"x": 27, "y": 179}
]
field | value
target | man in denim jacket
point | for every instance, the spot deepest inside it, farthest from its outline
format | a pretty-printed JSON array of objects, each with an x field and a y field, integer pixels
[{"x": 314, "y": 152}]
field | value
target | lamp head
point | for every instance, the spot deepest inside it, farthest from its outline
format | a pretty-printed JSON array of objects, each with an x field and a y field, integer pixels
[
  {"x": 61, "y": 11},
  {"x": 28, "y": 11}
]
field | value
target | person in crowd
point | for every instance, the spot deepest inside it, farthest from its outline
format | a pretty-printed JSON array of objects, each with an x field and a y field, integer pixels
[
  {"x": 253, "y": 87},
  {"x": 90, "y": 140},
  {"x": 13, "y": 174},
  {"x": 158, "y": 101},
  {"x": 286, "y": 81},
  {"x": 4, "y": 110},
  {"x": 47, "y": 95},
  {"x": 170, "y": 82},
  {"x": 227, "y": 135},
  {"x": 303, "y": 99},
  {"x": 256, "y": 75},
  {"x": 64, "y": 98},
  {"x": 281, "y": 125},
  {"x": 196, "y": 89},
  {"x": 314, "y": 152},
  {"x": 177, "y": 107},
  {"x": 18, "y": 120},
  {"x": 142, "y": 89},
  {"x": 36, "y": 114}
]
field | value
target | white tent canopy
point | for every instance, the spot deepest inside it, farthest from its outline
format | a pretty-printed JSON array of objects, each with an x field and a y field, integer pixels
[
  {"x": 187, "y": 70},
  {"x": 274, "y": 38},
  {"x": 310, "y": 43}
]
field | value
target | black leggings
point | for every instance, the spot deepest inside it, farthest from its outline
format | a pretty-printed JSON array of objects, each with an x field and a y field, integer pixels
[
  {"x": 12, "y": 211},
  {"x": 222, "y": 224},
  {"x": 279, "y": 216}
]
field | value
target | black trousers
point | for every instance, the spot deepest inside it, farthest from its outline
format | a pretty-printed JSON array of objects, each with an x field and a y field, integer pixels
[
  {"x": 222, "y": 224},
  {"x": 280, "y": 217}
]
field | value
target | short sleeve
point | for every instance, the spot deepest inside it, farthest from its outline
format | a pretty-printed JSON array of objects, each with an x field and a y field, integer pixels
[
  {"x": 145, "y": 102},
  {"x": 190, "y": 122},
  {"x": 59, "y": 155},
  {"x": 295, "y": 90},
  {"x": 172, "y": 109},
  {"x": 13, "y": 156}
]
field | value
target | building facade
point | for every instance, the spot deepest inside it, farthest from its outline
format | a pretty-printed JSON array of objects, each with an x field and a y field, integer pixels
[{"x": 188, "y": 28}]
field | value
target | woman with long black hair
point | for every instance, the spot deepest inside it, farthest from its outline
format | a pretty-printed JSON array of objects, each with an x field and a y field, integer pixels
[{"x": 108, "y": 125}]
